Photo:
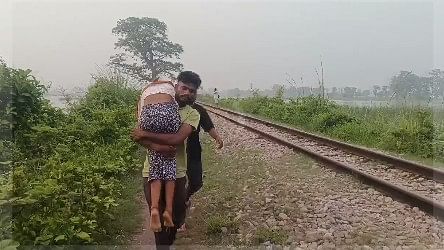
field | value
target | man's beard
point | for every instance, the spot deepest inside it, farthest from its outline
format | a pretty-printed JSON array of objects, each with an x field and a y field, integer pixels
[
  {"x": 182, "y": 100},
  {"x": 191, "y": 101}
]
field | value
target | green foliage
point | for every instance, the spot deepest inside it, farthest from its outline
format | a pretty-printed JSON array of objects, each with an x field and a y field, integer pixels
[
  {"x": 401, "y": 130},
  {"x": 409, "y": 85},
  {"x": 217, "y": 222},
  {"x": 145, "y": 41},
  {"x": 273, "y": 236},
  {"x": 22, "y": 105},
  {"x": 414, "y": 134},
  {"x": 9, "y": 244},
  {"x": 279, "y": 91},
  {"x": 331, "y": 119},
  {"x": 66, "y": 184}
]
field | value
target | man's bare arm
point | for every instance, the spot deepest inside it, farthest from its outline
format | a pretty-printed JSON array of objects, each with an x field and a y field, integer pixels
[
  {"x": 164, "y": 139},
  {"x": 166, "y": 150},
  {"x": 213, "y": 133}
]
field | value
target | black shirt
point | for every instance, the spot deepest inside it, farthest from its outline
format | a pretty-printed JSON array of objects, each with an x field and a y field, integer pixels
[{"x": 194, "y": 149}]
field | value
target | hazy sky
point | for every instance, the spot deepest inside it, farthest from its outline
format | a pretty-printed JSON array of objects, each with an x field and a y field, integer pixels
[{"x": 232, "y": 44}]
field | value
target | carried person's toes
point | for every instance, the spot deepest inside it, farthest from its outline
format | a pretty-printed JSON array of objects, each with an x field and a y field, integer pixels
[
  {"x": 167, "y": 219},
  {"x": 155, "y": 224}
]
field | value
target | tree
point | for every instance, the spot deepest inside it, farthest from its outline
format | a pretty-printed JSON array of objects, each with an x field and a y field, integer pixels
[
  {"x": 148, "y": 54},
  {"x": 366, "y": 93},
  {"x": 436, "y": 77},
  {"x": 279, "y": 91},
  {"x": 408, "y": 84},
  {"x": 376, "y": 89},
  {"x": 350, "y": 92},
  {"x": 22, "y": 103},
  {"x": 385, "y": 91}
]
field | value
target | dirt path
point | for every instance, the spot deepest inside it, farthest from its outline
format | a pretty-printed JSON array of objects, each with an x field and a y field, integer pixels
[{"x": 144, "y": 237}]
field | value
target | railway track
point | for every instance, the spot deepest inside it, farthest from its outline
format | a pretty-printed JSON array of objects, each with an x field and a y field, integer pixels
[{"x": 416, "y": 184}]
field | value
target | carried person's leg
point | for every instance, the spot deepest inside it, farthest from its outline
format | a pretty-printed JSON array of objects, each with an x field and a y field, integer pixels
[
  {"x": 156, "y": 185},
  {"x": 168, "y": 213},
  {"x": 155, "y": 189},
  {"x": 166, "y": 237}
]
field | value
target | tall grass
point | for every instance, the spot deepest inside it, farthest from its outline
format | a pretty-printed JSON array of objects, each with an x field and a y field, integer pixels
[{"x": 412, "y": 131}]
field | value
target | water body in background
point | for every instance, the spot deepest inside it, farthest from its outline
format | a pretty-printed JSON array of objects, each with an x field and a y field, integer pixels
[
  {"x": 59, "y": 101},
  {"x": 379, "y": 103},
  {"x": 56, "y": 101}
]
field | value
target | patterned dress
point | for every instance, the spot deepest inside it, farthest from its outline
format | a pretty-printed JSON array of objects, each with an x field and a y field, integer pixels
[{"x": 160, "y": 118}]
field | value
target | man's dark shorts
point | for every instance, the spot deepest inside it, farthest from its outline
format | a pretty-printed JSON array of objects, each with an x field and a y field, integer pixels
[{"x": 194, "y": 174}]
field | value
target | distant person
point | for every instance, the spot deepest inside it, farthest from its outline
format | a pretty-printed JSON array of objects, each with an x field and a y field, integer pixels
[{"x": 216, "y": 96}]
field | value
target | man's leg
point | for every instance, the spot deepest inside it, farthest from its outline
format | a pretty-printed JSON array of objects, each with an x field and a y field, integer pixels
[
  {"x": 194, "y": 173},
  {"x": 166, "y": 237},
  {"x": 179, "y": 208}
]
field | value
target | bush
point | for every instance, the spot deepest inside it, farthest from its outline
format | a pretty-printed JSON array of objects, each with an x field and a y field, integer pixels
[
  {"x": 414, "y": 135},
  {"x": 404, "y": 130},
  {"x": 68, "y": 168},
  {"x": 325, "y": 122}
]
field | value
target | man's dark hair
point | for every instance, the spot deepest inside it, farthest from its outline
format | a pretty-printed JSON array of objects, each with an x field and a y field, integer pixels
[{"x": 189, "y": 77}]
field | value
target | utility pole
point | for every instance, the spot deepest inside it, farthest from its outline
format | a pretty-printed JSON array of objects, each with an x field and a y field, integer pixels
[{"x": 322, "y": 75}]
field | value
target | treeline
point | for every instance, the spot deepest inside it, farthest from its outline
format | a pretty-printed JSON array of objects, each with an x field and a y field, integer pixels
[{"x": 404, "y": 85}]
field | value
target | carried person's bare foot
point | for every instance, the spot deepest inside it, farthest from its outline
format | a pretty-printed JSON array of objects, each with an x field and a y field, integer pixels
[
  {"x": 167, "y": 219},
  {"x": 155, "y": 220}
]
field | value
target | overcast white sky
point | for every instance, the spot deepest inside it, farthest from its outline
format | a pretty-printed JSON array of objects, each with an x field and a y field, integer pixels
[{"x": 232, "y": 44}]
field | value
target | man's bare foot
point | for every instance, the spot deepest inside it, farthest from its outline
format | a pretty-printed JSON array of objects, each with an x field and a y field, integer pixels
[
  {"x": 155, "y": 220},
  {"x": 167, "y": 219},
  {"x": 188, "y": 204}
]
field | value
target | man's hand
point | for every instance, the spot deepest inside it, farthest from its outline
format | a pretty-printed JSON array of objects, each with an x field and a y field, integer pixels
[
  {"x": 137, "y": 134},
  {"x": 165, "y": 150},
  {"x": 215, "y": 135},
  {"x": 219, "y": 142}
]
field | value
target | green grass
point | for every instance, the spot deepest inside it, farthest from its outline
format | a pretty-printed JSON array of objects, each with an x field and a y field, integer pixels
[
  {"x": 273, "y": 236},
  {"x": 216, "y": 223},
  {"x": 414, "y": 133}
]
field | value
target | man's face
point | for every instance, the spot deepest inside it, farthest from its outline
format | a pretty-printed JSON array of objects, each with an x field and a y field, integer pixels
[
  {"x": 193, "y": 98},
  {"x": 185, "y": 93}
]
